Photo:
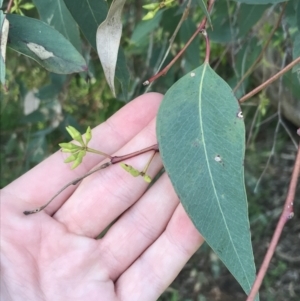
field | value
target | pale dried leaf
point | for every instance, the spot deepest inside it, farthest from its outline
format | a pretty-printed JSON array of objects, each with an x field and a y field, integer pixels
[
  {"x": 4, "y": 27},
  {"x": 4, "y": 35},
  {"x": 108, "y": 40}
]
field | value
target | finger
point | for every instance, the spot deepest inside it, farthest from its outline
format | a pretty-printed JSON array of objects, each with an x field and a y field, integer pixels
[
  {"x": 157, "y": 267},
  {"x": 105, "y": 195},
  {"x": 138, "y": 228},
  {"x": 43, "y": 181}
]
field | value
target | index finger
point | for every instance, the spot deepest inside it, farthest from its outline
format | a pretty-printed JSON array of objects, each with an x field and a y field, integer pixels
[{"x": 39, "y": 184}]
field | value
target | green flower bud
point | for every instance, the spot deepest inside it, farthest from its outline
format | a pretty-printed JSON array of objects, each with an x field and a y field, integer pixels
[
  {"x": 65, "y": 150},
  {"x": 75, "y": 134},
  {"x": 150, "y": 15},
  {"x": 134, "y": 172},
  {"x": 151, "y": 6},
  {"x": 69, "y": 146},
  {"x": 147, "y": 178},
  {"x": 71, "y": 158},
  {"x": 88, "y": 135},
  {"x": 78, "y": 160}
]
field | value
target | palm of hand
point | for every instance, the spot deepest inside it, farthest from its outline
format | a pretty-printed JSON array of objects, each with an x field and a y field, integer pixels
[
  {"x": 53, "y": 255},
  {"x": 49, "y": 263}
]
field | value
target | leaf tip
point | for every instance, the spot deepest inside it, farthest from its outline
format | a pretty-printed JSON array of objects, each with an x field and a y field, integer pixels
[{"x": 84, "y": 68}]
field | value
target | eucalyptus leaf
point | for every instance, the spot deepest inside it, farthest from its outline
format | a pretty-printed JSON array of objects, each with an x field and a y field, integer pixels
[
  {"x": 44, "y": 44},
  {"x": 56, "y": 14},
  {"x": 201, "y": 135},
  {"x": 108, "y": 38}
]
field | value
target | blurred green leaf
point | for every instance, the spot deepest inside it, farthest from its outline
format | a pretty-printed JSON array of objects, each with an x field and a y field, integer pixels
[
  {"x": 51, "y": 90},
  {"x": 88, "y": 14},
  {"x": 296, "y": 52},
  {"x": 248, "y": 16},
  {"x": 244, "y": 60},
  {"x": 223, "y": 31},
  {"x": 142, "y": 29},
  {"x": 202, "y": 5},
  {"x": 44, "y": 44},
  {"x": 36, "y": 150},
  {"x": 260, "y": 1},
  {"x": 56, "y": 14},
  {"x": 298, "y": 15},
  {"x": 292, "y": 82},
  {"x": 192, "y": 53}
]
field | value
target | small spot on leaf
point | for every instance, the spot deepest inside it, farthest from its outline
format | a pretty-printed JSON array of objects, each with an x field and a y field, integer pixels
[
  {"x": 218, "y": 158},
  {"x": 193, "y": 74},
  {"x": 240, "y": 115}
]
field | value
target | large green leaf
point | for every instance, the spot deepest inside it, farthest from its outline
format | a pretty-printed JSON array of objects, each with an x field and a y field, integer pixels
[
  {"x": 56, "y": 14},
  {"x": 44, "y": 44},
  {"x": 201, "y": 137},
  {"x": 89, "y": 14}
]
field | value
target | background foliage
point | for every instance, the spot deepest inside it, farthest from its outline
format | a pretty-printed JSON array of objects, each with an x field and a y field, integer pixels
[{"x": 37, "y": 105}]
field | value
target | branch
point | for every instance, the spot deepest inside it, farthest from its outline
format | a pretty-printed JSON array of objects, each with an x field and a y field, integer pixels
[
  {"x": 270, "y": 80},
  {"x": 113, "y": 160},
  {"x": 9, "y": 5},
  {"x": 286, "y": 215},
  {"x": 166, "y": 69}
]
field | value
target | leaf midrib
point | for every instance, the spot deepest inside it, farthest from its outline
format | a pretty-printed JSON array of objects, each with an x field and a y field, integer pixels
[{"x": 205, "y": 65}]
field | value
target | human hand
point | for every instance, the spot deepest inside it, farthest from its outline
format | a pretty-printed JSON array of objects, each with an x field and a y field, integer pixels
[{"x": 53, "y": 255}]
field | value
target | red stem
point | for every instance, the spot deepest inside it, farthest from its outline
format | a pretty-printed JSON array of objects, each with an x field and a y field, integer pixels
[
  {"x": 117, "y": 159},
  {"x": 270, "y": 80},
  {"x": 207, "y": 53},
  {"x": 166, "y": 69},
  {"x": 286, "y": 215},
  {"x": 9, "y": 5}
]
